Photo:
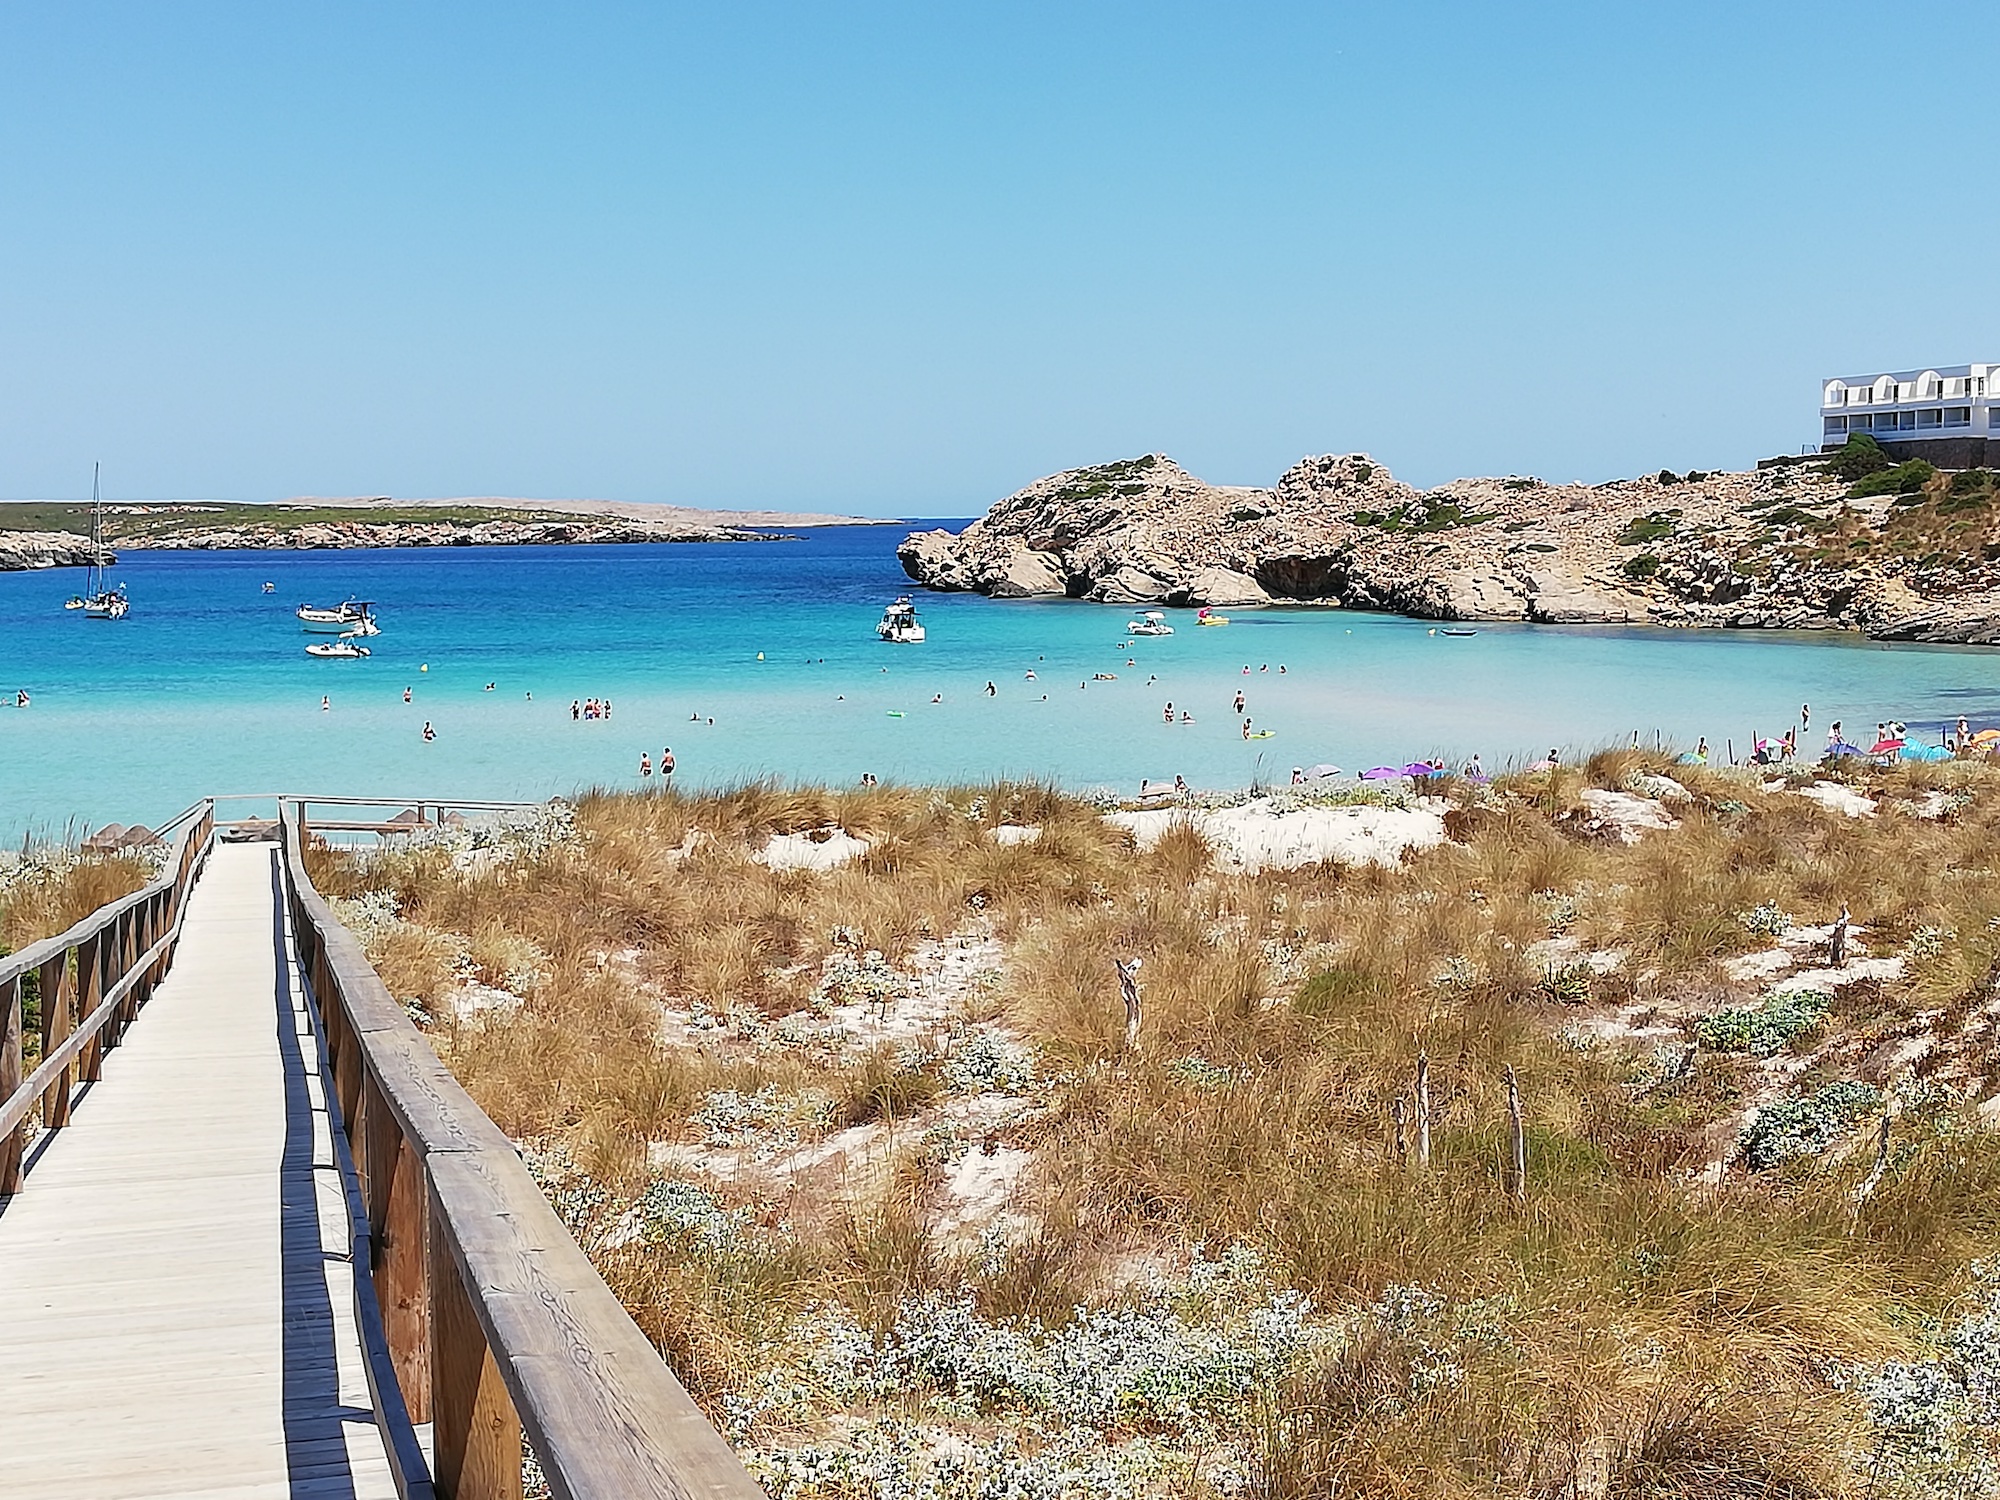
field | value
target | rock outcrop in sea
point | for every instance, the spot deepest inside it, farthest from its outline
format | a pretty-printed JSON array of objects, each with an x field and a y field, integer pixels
[{"x": 1784, "y": 547}]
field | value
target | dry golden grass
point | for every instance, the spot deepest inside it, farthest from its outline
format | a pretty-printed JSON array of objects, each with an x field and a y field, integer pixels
[
  {"x": 1663, "y": 1334},
  {"x": 41, "y": 906}
]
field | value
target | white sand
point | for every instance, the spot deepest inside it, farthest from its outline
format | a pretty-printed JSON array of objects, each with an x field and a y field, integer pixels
[
  {"x": 1254, "y": 837},
  {"x": 1629, "y": 817},
  {"x": 1838, "y": 798},
  {"x": 978, "y": 1188},
  {"x": 1009, "y": 834},
  {"x": 822, "y": 849}
]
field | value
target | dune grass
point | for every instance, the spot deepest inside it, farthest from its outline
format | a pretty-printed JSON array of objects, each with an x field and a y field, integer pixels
[{"x": 1651, "y": 1318}]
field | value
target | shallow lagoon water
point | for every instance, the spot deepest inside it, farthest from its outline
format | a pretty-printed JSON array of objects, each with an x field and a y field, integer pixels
[{"x": 206, "y": 687}]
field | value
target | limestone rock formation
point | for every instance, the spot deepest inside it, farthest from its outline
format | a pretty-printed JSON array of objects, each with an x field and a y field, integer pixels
[
  {"x": 1783, "y": 547},
  {"x": 23, "y": 550}
]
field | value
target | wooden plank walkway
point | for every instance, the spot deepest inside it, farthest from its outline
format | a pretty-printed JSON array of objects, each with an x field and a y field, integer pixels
[{"x": 176, "y": 1303}]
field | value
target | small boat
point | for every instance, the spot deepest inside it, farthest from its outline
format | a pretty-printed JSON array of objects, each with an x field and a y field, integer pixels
[
  {"x": 1449, "y": 631},
  {"x": 343, "y": 649},
  {"x": 899, "y": 624},
  {"x": 1152, "y": 622},
  {"x": 1209, "y": 617},
  {"x": 351, "y": 617},
  {"x": 98, "y": 602}
]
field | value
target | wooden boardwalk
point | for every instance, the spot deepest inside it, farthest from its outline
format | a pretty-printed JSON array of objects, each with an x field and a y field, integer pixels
[{"x": 176, "y": 1302}]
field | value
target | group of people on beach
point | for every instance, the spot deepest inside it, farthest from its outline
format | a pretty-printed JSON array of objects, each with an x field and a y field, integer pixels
[
  {"x": 666, "y": 764},
  {"x": 589, "y": 708}
]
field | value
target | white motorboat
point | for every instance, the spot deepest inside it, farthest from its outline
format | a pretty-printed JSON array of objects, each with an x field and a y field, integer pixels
[
  {"x": 899, "y": 624},
  {"x": 96, "y": 601},
  {"x": 343, "y": 649},
  {"x": 1152, "y": 622},
  {"x": 351, "y": 617}
]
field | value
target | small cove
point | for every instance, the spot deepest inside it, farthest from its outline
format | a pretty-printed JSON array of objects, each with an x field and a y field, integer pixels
[{"x": 206, "y": 686}]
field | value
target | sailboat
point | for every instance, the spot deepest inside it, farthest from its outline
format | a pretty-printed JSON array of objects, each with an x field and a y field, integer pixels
[{"x": 97, "y": 601}]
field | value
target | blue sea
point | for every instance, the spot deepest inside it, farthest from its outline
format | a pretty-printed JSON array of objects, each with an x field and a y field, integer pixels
[{"x": 206, "y": 686}]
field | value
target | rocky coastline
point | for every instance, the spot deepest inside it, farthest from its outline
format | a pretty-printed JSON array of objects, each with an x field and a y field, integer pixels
[
  {"x": 1786, "y": 546},
  {"x": 24, "y": 550},
  {"x": 579, "y": 532}
]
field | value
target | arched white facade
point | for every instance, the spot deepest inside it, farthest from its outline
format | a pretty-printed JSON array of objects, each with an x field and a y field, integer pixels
[{"x": 1913, "y": 408}]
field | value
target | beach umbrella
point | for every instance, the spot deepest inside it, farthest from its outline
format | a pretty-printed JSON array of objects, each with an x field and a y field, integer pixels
[
  {"x": 1926, "y": 752},
  {"x": 1420, "y": 768},
  {"x": 1321, "y": 771},
  {"x": 1885, "y": 747},
  {"x": 1381, "y": 773},
  {"x": 1985, "y": 736},
  {"x": 1842, "y": 748}
]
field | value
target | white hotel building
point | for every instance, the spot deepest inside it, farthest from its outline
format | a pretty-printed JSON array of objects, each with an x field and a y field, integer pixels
[{"x": 1950, "y": 416}]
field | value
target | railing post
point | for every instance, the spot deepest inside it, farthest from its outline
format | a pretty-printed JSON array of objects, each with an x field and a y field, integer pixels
[
  {"x": 394, "y": 1191},
  {"x": 10, "y": 1079},
  {"x": 475, "y": 1435},
  {"x": 58, "y": 1021},
  {"x": 89, "y": 991}
]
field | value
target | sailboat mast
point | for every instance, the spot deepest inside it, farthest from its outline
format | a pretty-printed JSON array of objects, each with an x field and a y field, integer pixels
[{"x": 96, "y": 530}]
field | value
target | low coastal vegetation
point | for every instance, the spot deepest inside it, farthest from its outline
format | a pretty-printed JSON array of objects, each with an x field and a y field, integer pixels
[
  {"x": 1578, "y": 1149},
  {"x": 128, "y": 523},
  {"x": 46, "y": 889}
]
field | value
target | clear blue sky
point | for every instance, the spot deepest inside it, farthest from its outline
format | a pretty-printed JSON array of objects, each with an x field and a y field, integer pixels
[{"x": 900, "y": 259}]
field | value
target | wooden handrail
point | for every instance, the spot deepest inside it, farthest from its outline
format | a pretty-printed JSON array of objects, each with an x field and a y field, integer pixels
[
  {"x": 495, "y": 1320},
  {"x": 93, "y": 979}
]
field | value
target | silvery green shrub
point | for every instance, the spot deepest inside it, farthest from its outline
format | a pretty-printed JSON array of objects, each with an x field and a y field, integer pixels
[{"x": 1783, "y": 1132}]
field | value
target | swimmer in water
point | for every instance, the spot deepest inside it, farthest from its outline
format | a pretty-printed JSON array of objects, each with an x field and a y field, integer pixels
[
  {"x": 937, "y": 697},
  {"x": 429, "y": 733},
  {"x": 325, "y": 703},
  {"x": 1186, "y": 717},
  {"x": 645, "y": 764},
  {"x": 406, "y": 695},
  {"x": 992, "y": 691}
]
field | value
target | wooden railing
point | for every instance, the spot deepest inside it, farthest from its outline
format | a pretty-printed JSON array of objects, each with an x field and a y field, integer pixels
[
  {"x": 494, "y": 1320},
  {"x": 91, "y": 981}
]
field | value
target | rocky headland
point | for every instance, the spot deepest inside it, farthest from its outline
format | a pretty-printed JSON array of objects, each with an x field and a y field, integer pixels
[
  {"x": 1788, "y": 546},
  {"x": 21, "y": 551},
  {"x": 319, "y": 534}
]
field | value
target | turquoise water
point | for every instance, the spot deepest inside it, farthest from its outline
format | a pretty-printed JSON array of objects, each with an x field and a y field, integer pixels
[{"x": 206, "y": 686}]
